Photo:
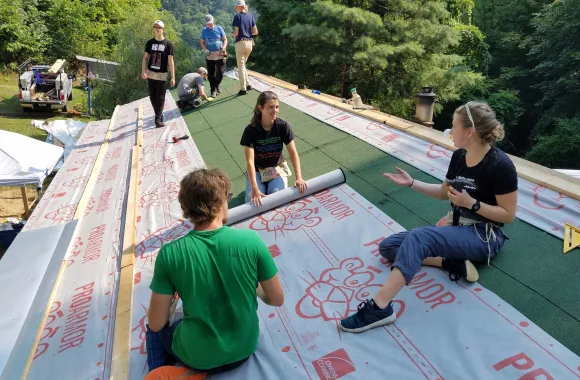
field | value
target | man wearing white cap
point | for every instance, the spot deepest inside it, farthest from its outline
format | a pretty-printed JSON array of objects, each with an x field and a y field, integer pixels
[
  {"x": 158, "y": 57},
  {"x": 190, "y": 90},
  {"x": 244, "y": 30},
  {"x": 214, "y": 42}
]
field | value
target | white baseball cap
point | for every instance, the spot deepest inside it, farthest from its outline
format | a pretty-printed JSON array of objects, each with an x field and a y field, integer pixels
[
  {"x": 208, "y": 19},
  {"x": 240, "y": 3},
  {"x": 160, "y": 23}
]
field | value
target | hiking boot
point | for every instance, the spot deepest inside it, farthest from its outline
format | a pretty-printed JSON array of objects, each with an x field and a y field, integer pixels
[
  {"x": 459, "y": 268},
  {"x": 160, "y": 124},
  {"x": 248, "y": 88},
  {"x": 213, "y": 94},
  {"x": 368, "y": 317},
  {"x": 242, "y": 92}
]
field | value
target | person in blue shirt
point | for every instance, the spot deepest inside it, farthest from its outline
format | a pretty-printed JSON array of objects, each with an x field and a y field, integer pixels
[
  {"x": 214, "y": 42},
  {"x": 244, "y": 30}
]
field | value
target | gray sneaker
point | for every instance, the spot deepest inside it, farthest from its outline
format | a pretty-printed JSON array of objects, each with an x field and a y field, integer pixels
[{"x": 213, "y": 94}]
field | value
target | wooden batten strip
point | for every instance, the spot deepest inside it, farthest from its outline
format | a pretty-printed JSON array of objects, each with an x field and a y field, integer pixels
[
  {"x": 541, "y": 175},
  {"x": 80, "y": 210},
  {"x": 120, "y": 363}
]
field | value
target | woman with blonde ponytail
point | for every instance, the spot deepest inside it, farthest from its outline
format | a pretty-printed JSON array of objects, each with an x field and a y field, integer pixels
[{"x": 482, "y": 184}]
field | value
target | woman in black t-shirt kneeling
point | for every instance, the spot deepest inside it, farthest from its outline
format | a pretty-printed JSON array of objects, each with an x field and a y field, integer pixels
[
  {"x": 263, "y": 141},
  {"x": 481, "y": 184}
]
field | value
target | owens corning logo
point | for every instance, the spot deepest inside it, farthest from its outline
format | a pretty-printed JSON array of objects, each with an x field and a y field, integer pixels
[{"x": 334, "y": 365}]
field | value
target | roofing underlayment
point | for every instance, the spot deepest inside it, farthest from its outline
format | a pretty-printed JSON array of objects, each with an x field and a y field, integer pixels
[{"x": 120, "y": 186}]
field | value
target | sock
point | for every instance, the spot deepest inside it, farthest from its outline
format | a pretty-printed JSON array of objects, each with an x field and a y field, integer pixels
[{"x": 376, "y": 306}]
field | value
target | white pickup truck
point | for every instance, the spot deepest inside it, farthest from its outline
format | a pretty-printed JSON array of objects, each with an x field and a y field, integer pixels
[{"x": 43, "y": 87}]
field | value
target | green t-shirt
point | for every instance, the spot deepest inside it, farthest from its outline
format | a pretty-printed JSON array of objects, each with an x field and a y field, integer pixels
[{"x": 216, "y": 274}]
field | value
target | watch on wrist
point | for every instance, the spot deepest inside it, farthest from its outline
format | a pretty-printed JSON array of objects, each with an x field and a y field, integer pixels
[{"x": 476, "y": 206}]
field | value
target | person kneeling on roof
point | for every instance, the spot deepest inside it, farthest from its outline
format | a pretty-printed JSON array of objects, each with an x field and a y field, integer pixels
[
  {"x": 482, "y": 185},
  {"x": 190, "y": 89},
  {"x": 263, "y": 141},
  {"x": 218, "y": 272}
]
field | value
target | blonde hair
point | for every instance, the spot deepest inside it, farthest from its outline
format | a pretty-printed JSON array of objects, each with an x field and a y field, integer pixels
[{"x": 483, "y": 119}]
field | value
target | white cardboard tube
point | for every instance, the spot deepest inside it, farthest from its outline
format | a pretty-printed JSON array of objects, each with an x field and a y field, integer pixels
[{"x": 290, "y": 194}]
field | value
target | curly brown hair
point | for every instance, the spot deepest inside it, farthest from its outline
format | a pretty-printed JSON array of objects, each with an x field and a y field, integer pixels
[{"x": 202, "y": 194}]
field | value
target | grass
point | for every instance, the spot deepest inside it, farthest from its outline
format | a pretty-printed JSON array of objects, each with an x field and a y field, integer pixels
[{"x": 9, "y": 102}]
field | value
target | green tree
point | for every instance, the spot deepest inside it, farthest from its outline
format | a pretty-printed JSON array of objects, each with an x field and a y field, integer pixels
[
  {"x": 390, "y": 49},
  {"x": 556, "y": 49},
  {"x": 23, "y": 33},
  {"x": 559, "y": 150}
]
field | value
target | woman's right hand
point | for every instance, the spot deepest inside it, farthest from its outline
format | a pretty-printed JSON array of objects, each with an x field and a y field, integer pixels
[
  {"x": 402, "y": 178},
  {"x": 257, "y": 196}
]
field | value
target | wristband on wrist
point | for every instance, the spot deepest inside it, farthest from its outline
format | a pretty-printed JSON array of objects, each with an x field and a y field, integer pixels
[{"x": 412, "y": 183}]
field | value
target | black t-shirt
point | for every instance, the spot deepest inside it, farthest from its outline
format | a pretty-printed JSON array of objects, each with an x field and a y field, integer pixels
[
  {"x": 267, "y": 145},
  {"x": 159, "y": 52},
  {"x": 494, "y": 175}
]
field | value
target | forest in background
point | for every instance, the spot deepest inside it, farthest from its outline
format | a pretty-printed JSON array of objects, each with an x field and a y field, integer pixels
[{"x": 520, "y": 56}]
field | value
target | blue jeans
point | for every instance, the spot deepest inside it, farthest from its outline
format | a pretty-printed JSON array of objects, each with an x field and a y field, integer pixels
[
  {"x": 160, "y": 353},
  {"x": 269, "y": 187},
  {"x": 407, "y": 250}
]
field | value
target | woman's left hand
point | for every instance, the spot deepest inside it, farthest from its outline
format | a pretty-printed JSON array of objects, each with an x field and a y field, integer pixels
[
  {"x": 462, "y": 199},
  {"x": 301, "y": 185}
]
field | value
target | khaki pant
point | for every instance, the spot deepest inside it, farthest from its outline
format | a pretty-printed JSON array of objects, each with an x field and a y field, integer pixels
[{"x": 243, "y": 50}]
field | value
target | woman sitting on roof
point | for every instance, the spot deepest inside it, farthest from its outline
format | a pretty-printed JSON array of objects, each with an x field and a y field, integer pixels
[
  {"x": 263, "y": 141},
  {"x": 482, "y": 185}
]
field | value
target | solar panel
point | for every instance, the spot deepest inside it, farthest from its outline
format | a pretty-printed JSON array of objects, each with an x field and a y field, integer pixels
[{"x": 98, "y": 69}]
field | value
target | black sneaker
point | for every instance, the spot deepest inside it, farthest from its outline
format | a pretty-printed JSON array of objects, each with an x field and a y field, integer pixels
[
  {"x": 368, "y": 317},
  {"x": 248, "y": 88},
  {"x": 160, "y": 125},
  {"x": 242, "y": 92},
  {"x": 460, "y": 269}
]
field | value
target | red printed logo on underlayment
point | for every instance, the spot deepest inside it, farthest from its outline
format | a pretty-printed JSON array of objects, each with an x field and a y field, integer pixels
[
  {"x": 338, "y": 291},
  {"x": 274, "y": 250},
  {"x": 64, "y": 213},
  {"x": 152, "y": 148},
  {"x": 77, "y": 182},
  {"x": 86, "y": 161},
  {"x": 159, "y": 167},
  {"x": 436, "y": 151},
  {"x": 334, "y": 365},
  {"x": 149, "y": 246},
  {"x": 553, "y": 203},
  {"x": 163, "y": 195},
  {"x": 290, "y": 218}
]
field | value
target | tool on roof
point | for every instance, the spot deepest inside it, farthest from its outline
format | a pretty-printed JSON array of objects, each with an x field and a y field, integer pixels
[
  {"x": 460, "y": 185},
  {"x": 571, "y": 238},
  {"x": 356, "y": 101}
]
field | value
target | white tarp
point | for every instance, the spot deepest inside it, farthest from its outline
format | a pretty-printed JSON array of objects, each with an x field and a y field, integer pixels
[
  {"x": 24, "y": 160},
  {"x": 537, "y": 205},
  {"x": 65, "y": 131},
  {"x": 570, "y": 172}
]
